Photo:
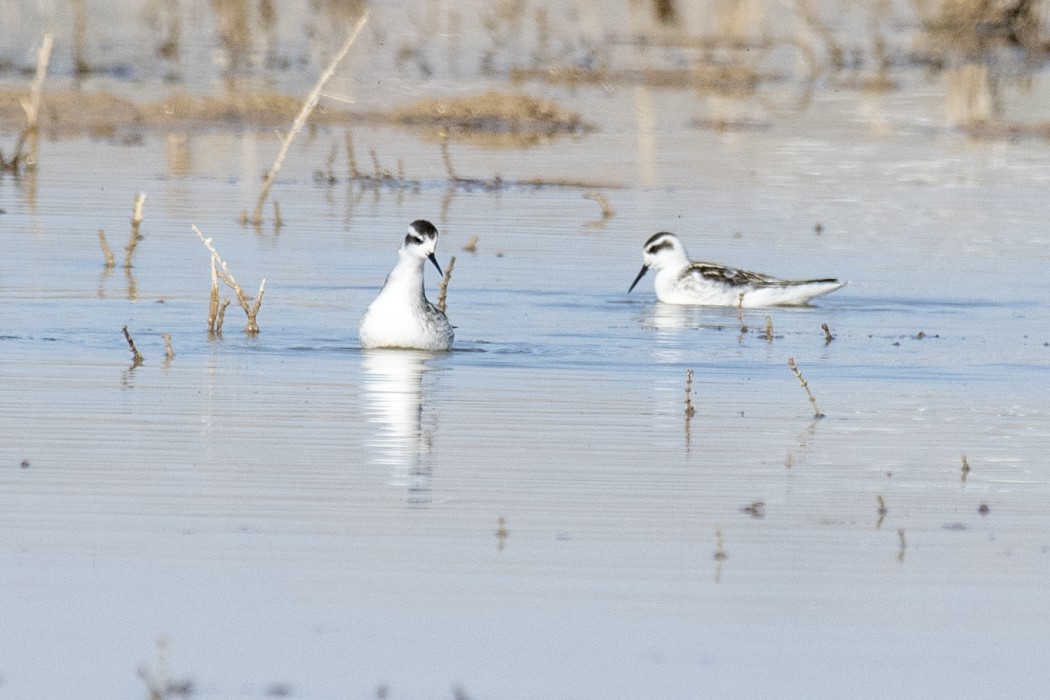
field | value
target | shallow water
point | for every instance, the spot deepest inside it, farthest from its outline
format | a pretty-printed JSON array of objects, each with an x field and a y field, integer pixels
[{"x": 291, "y": 513}]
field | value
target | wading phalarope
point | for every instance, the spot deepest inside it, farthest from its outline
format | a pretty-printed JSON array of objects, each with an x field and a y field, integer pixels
[
  {"x": 401, "y": 316},
  {"x": 681, "y": 281}
]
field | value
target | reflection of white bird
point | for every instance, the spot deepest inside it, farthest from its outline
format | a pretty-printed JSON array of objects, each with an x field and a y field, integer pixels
[
  {"x": 680, "y": 281},
  {"x": 401, "y": 316},
  {"x": 393, "y": 383}
]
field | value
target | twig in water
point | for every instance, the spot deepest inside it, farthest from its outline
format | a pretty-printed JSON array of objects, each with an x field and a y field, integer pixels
[
  {"x": 278, "y": 222},
  {"x": 768, "y": 335},
  {"x": 965, "y": 468},
  {"x": 169, "y": 352},
  {"x": 881, "y": 512},
  {"x": 690, "y": 411},
  {"x": 472, "y": 245},
  {"x": 805, "y": 385},
  {"x": 213, "y": 299},
  {"x": 501, "y": 533},
  {"x": 828, "y": 337},
  {"x": 251, "y": 310},
  {"x": 720, "y": 550},
  {"x": 740, "y": 312},
  {"x": 221, "y": 316},
  {"x": 607, "y": 211},
  {"x": 27, "y": 146},
  {"x": 107, "y": 253},
  {"x": 444, "y": 284},
  {"x": 900, "y": 552},
  {"x": 300, "y": 119},
  {"x": 136, "y": 221},
  {"x": 135, "y": 355}
]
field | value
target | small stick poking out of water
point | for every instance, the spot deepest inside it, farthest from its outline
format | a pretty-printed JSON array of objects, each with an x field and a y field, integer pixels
[
  {"x": 768, "y": 335},
  {"x": 828, "y": 337},
  {"x": 689, "y": 410},
  {"x": 805, "y": 385},
  {"x": 472, "y": 245},
  {"x": 720, "y": 550},
  {"x": 169, "y": 353},
  {"x": 740, "y": 312},
  {"x": 136, "y": 221},
  {"x": 900, "y": 552},
  {"x": 107, "y": 253},
  {"x": 607, "y": 211},
  {"x": 501, "y": 533},
  {"x": 219, "y": 271},
  {"x": 882, "y": 511},
  {"x": 135, "y": 354},
  {"x": 965, "y": 468},
  {"x": 444, "y": 284}
]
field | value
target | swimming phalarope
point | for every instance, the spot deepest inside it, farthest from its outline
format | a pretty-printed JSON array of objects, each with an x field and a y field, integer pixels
[
  {"x": 401, "y": 316},
  {"x": 680, "y": 281}
]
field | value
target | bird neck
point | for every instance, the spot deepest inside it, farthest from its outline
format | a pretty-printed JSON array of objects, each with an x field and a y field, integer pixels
[{"x": 407, "y": 276}]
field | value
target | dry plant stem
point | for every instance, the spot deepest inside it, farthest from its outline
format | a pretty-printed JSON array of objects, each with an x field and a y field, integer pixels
[
  {"x": 251, "y": 310},
  {"x": 740, "y": 312},
  {"x": 965, "y": 468},
  {"x": 136, "y": 356},
  {"x": 213, "y": 301},
  {"x": 769, "y": 329},
  {"x": 136, "y": 214},
  {"x": 107, "y": 253},
  {"x": 277, "y": 220},
  {"x": 607, "y": 211},
  {"x": 136, "y": 221},
  {"x": 828, "y": 337},
  {"x": 169, "y": 352},
  {"x": 444, "y": 284},
  {"x": 221, "y": 316},
  {"x": 689, "y": 410},
  {"x": 720, "y": 550},
  {"x": 472, "y": 245},
  {"x": 900, "y": 552},
  {"x": 300, "y": 119},
  {"x": 31, "y": 134},
  {"x": 805, "y": 385}
]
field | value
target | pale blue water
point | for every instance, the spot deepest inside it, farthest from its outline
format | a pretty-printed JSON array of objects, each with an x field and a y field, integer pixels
[{"x": 288, "y": 510}]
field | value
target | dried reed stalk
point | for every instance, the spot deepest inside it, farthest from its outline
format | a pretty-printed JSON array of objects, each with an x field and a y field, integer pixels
[
  {"x": 29, "y": 139},
  {"x": 220, "y": 270},
  {"x": 828, "y": 337},
  {"x": 136, "y": 221},
  {"x": 805, "y": 385},
  {"x": 136, "y": 356},
  {"x": 444, "y": 284},
  {"x": 607, "y": 211},
  {"x": 169, "y": 352},
  {"x": 740, "y": 312},
  {"x": 107, "y": 253},
  {"x": 300, "y": 120}
]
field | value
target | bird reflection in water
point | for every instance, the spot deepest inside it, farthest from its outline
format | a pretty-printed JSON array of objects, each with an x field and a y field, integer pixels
[{"x": 395, "y": 404}]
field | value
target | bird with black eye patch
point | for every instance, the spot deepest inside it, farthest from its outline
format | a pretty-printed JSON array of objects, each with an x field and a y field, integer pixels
[
  {"x": 682, "y": 281},
  {"x": 401, "y": 316}
]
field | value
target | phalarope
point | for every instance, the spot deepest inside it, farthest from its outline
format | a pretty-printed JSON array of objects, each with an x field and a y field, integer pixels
[
  {"x": 401, "y": 316},
  {"x": 681, "y": 281}
]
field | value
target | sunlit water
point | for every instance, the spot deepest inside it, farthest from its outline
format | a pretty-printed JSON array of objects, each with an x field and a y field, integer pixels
[{"x": 290, "y": 512}]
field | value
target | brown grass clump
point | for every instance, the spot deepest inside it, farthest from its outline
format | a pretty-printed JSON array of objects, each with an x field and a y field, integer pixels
[{"x": 493, "y": 113}]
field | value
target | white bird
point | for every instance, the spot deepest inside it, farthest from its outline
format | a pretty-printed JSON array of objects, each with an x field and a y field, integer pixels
[
  {"x": 681, "y": 281},
  {"x": 401, "y": 316}
]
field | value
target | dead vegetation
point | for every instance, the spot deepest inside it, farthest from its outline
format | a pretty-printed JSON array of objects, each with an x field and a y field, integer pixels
[{"x": 492, "y": 118}]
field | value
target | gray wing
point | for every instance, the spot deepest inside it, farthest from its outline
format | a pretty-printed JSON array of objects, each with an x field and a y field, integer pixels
[{"x": 733, "y": 277}]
